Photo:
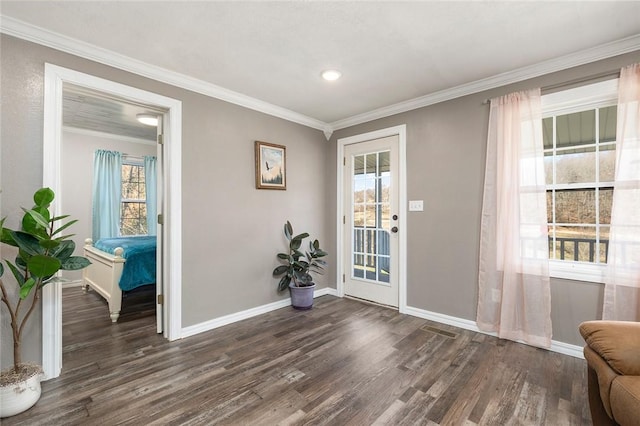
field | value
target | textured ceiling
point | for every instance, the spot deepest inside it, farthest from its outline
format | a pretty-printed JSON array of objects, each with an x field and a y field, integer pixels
[
  {"x": 87, "y": 110},
  {"x": 389, "y": 52}
]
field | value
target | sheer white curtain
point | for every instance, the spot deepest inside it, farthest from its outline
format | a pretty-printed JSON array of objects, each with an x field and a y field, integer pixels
[
  {"x": 622, "y": 287},
  {"x": 514, "y": 286}
]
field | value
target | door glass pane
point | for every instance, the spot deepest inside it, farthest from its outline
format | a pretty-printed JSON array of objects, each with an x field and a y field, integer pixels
[
  {"x": 358, "y": 215},
  {"x": 358, "y": 266},
  {"x": 370, "y": 215},
  {"x": 358, "y": 165},
  {"x": 371, "y": 220}
]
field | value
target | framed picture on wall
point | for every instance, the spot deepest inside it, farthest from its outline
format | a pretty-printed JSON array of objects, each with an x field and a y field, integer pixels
[{"x": 271, "y": 162}]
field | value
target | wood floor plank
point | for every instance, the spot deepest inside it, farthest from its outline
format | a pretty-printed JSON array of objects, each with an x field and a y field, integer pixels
[{"x": 342, "y": 363}]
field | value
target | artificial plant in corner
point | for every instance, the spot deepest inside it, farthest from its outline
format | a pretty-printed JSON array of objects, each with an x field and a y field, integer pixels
[{"x": 42, "y": 252}]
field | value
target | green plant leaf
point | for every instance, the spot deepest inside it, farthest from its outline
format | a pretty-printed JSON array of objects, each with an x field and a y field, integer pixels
[
  {"x": 49, "y": 244},
  {"x": 295, "y": 244},
  {"x": 284, "y": 256},
  {"x": 284, "y": 283},
  {"x": 43, "y": 266},
  {"x": 320, "y": 253},
  {"x": 27, "y": 243},
  {"x": 43, "y": 197},
  {"x": 7, "y": 237},
  {"x": 301, "y": 236},
  {"x": 17, "y": 274},
  {"x": 64, "y": 250},
  {"x": 26, "y": 288},
  {"x": 36, "y": 221},
  {"x": 75, "y": 263},
  {"x": 63, "y": 227},
  {"x": 39, "y": 217},
  {"x": 280, "y": 270},
  {"x": 21, "y": 262},
  {"x": 288, "y": 230},
  {"x": 54, "y": 219}
]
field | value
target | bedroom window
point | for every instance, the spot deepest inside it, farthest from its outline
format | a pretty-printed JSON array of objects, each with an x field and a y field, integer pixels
[
  {"x": 133, "y": 208},
  {"x": 579, "y": 134}
]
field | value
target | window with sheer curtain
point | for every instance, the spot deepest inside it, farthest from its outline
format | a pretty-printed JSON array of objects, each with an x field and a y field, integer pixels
[{"x": 579, "y": 136}]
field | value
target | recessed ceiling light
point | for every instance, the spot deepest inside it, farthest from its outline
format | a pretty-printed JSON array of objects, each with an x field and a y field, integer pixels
[
  {"x": 331, "y": 75},
  {"x": 148, "y": 119}
]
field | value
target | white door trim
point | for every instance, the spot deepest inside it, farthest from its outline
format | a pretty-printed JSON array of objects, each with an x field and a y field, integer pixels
[
  {"x": 401, "y": 131},
  {"x": 54, "y": 77}
]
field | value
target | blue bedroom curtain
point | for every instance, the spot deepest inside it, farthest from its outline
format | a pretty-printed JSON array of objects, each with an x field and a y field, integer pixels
[
  {"x": 151, "y": 191},
  {"x": 107, "y": 189}
]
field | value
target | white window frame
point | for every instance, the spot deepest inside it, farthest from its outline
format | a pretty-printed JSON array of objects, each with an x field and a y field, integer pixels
[
  {"x": 568, "y": 101},
  {"x": 130, "y": 162}
]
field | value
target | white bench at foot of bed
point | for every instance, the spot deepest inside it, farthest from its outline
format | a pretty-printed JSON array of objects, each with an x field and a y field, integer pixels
[{"x": 103, "y": 275}]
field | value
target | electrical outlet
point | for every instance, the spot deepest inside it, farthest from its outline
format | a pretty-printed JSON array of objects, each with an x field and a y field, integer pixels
[{"x": 416, "y": 205}]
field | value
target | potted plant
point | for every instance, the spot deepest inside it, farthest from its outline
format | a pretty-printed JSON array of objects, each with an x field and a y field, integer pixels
[
  {"x": 297, "y": 267},
  {"x": 42, "y": 252}
]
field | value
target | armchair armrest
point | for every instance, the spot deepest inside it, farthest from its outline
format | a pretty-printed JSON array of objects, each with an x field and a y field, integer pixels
[{"x": 617, "y": 342}]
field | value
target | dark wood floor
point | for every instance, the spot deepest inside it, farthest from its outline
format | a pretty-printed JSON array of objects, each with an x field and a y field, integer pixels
[{"x": 342, "y": 363}]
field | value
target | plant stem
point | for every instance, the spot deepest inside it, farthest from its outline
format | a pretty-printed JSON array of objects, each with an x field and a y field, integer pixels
[{"x": 14, "y": 327}]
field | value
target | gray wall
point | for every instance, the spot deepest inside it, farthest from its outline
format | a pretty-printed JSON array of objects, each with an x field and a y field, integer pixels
[
  {"x": 231, "y": 231},
  {"x": 446, "y": 145},
  {"x": 76, "y": 176}
]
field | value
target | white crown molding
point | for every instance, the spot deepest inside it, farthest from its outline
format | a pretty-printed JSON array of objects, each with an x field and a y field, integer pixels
[
  {"x": 32, "y": 33},
  {"x": 25, "y": 31},
  {"x": 582, "y": 57}
]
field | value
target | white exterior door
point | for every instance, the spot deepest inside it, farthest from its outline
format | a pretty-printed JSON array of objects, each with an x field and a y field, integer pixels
[{"x": 370, "y": 219}]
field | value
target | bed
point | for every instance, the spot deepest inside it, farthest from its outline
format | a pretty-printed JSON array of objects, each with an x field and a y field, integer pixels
[{"x": 119, "y": 265}]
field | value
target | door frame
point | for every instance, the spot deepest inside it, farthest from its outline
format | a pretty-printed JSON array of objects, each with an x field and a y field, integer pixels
[
  {"x": 54, "y": 78},
  {"x": 401, "y": 132}
]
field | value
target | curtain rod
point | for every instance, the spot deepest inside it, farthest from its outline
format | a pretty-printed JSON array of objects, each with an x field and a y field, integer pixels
[{"x": 605, "y": 74}]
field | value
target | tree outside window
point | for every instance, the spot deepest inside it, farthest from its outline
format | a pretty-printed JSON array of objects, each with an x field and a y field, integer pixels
[
  {"x": 133, "y": 209},
  {"x": 579, "y": 169}
]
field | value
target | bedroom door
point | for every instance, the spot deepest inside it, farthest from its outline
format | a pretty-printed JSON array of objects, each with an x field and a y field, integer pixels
[
  {"x": 370, "y": 220},
  {"x": 159, "y": 230}
]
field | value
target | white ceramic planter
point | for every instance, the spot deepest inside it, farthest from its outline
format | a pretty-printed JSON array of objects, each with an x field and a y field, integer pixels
[{"x": 19, "y": 397}]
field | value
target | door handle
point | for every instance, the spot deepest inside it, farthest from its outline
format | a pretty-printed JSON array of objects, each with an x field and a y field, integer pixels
[{"x": 394, "y": 229}]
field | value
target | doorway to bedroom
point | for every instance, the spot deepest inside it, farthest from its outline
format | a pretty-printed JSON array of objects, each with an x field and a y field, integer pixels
[
  {"x": 88, "y": 118},
  {"x": 111, "y": 166}
]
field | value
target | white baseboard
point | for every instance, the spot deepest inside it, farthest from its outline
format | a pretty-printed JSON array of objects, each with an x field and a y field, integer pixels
[
  {"x": 556, "y": 346},
  {"x": 249, "y": 313}
]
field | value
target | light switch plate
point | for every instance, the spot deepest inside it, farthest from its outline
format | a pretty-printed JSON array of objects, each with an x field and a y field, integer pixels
[{"x": 416, "y": 205}]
